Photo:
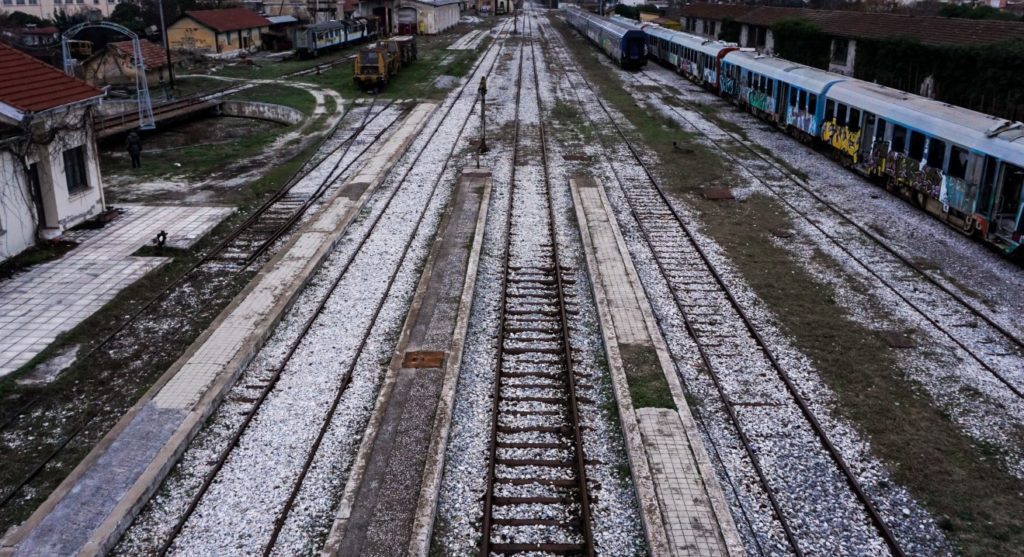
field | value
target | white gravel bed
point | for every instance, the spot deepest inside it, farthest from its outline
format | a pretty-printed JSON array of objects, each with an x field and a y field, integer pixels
[
  {"x": 814, "y": 484},
  {"x": 980, "y": 403},
  {"x": 236, "y": 514},
  {"x": 616, "y": 525}
]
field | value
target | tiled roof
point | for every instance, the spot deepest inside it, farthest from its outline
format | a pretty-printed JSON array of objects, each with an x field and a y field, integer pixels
[
  {"x": 153, "y": 55},
  {"x": 857, "y": 25},
  {"x": 228, "y": 19},
  {"x": 28, "y": 85}
]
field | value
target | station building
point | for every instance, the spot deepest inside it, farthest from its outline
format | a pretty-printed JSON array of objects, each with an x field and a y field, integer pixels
[
  {"x": 49, "y": 166},
  {"x": 218, "y": 31}
]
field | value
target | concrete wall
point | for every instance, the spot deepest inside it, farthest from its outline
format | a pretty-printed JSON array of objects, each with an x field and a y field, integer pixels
[
  {"x": 262, "y": 111},
  {"x": 17, "y": 218},
  {"x": 434, "y": 20},
  {"x": 61, "y": 209}
]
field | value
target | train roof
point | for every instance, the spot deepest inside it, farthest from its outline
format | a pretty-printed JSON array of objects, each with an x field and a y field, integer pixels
[
  {"x": 713, "y": 48},
  {"x": 335, "y": 24},
  {"x": 974, "y": 130},
  {"x": 623, "y": 21},
  {"x": 804, "y": 77},
  {"x": 614, "y": 29}
]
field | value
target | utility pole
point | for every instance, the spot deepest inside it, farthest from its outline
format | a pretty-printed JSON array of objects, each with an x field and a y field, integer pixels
[
  {"x": 483, "y": 110},
  {"x": 167, "y": 45}
]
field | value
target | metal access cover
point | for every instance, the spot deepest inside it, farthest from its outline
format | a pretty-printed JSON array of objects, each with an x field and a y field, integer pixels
[{"x": 423, "y": 359}]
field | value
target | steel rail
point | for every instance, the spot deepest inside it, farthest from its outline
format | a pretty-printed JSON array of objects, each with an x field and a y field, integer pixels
[
  {"x": 579, "y": 457},
  {"x": 867, "y": 267},
  {"x": 851, "y": 480},
  {"x": 282, "y": 517},
  {"x": 210, "y": 255}
]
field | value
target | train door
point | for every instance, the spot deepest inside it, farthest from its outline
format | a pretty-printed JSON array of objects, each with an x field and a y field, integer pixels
[{"x": 1007, "y": 217}]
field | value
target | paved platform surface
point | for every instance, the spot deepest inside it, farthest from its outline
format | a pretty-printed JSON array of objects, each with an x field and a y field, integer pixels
[
  {"x": 92, "y": 507},
  {"x": 52, "y": 298},
  {"x": 377, "y": 518},
  {"x": 694, "y": 519}
]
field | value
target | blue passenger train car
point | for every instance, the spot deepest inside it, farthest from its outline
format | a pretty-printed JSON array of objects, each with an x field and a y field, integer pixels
[
  {"x": 311, "y": 40},
  {"x": 624, "y": 45}
]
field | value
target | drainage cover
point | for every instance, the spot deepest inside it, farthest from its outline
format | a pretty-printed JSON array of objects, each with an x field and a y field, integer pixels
[{"x": 423, "y": 359}]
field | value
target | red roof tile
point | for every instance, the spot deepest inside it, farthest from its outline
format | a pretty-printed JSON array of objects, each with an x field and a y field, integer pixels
[
  {"x": 857, "y": 25},
  {"x": 29, "y": 85},
  {"x": 228, "y": 19},
  {"x": 153, "y": 55}
]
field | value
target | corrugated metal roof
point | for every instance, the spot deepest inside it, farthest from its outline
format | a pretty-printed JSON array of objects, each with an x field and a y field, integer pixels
[
  {"x": 281, "y": 19},
  {"x": 228, "y": 19},
  {"x": 858, "y": 25},
  {"x": 29, "y": 85}
]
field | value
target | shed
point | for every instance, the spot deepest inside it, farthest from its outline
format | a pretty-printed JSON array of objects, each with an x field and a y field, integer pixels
[
  {"x": 224, "y": 30},
  {"x": 115, "y": 64},
  {"x": 428, "y": 17}
]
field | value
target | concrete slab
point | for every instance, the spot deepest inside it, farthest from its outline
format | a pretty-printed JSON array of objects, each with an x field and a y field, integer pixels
[
  {"x": 52, "y": 298},
  {"x": 682, "y": 504},
  {"x": 88, "y": 512},
  {"x": 397, "y": 461}
]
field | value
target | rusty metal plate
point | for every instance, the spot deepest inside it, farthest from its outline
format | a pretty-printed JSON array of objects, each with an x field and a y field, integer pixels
[
  {"x": 718, "y": 194},
  {"x": 423, "y": 359}
]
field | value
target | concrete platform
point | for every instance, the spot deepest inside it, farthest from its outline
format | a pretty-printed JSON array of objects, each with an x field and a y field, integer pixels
[
  {"x": 52, "y": 298},
  {"x": 87, "y": 513},
  {"x": 682, "y": 504},
  {"x": 391, "y": 495}
]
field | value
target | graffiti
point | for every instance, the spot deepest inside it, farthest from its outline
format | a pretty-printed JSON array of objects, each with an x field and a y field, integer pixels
[
  {"x": 842, "y": 138},
  {"x": 912, "y": 174},
  {"x": 728, "y": 85},
  {"x": 761, "y": 100},
  {"x": 802, "y": 120},
  {"x": 710, "y": 75},
  {"x": 958, "y": 194}
]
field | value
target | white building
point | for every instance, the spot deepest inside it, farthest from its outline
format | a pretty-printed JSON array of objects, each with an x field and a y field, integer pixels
[
  {"x": 49, "y": 168},
  {"x": 44, "y": 8},
  {"x": 428, "y": 17}
]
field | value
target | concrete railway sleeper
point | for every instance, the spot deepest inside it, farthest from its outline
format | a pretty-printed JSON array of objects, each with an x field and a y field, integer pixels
[
  {"x": 696, "y": 283},
  {"x": 281, "y": 515},
  {"x": 536, "y": 443}
]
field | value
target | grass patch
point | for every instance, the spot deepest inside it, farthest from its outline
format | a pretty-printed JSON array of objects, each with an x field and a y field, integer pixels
[
  {"x": 647, "y": 384},
  {"x": 187, "y": 86},
  {"x": 415, "y": 80},
  {"x": 925, "y": 451},
  {"x": 42, "y": 252},
  {"x": 284, "y": 95}
]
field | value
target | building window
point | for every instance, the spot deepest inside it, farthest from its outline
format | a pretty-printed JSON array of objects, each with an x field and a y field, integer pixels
[
  {"x": 33, "y": 2},
  {"x": 7, "y": 2},
  {"x": 20, "y": 2},
  {"x": 840, "y": 51},
  {"x": 75, "y": 171}
]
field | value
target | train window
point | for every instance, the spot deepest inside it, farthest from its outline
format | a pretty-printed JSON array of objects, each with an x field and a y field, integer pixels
[
  {"x": 936, "y": 153},
  {"x": 957, "y": 162},
  {"x": 899, "y": 138},
  {"x": 812, "y": 104},
  {"x": 830, "y": 109},
  {"x": 916, "y": 150},
  {"x": 803, "y": 99},
  {"x": 880, "y": 130},
  {"x": 792, "y": 97},
  {"x": 841, "y": 114},
  {"x": 854, "y": 120}
]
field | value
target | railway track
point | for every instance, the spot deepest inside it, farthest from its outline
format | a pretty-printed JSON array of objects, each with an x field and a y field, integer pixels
[
  {"x": 753, "y": 386},
  {"x": 897, "y": 273},
  {"x": 248, "y": 242},
  {"x": 268, "y": 383},
  {"x": 537, "y": 497}
]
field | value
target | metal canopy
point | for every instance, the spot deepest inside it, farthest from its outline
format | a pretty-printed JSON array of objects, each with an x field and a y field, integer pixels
[{"x": 145, "y": 104}]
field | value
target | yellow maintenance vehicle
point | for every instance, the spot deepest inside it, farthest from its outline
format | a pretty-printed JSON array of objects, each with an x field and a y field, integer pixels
[{"x": 377, "y": 64}]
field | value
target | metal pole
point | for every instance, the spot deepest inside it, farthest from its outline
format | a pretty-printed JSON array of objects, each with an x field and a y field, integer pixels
[
  {"x": 167, "y": 45},
  {"x": 483, "y": 111}
]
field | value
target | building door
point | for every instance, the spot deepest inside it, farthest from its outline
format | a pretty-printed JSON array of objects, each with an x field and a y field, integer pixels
[
  {"x": 36, "y": 191},
  {"x": 407, "y": 21}
]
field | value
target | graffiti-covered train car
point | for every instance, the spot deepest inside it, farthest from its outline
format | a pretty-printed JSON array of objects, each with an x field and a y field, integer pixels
[
  {"x": 623, "y": 45},
  {"x": 699, "y": 59},
  {"x": 788, "y": 94}
]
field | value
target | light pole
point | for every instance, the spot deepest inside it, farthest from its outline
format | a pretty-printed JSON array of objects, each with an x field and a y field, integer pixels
[
  {"x": 167, "y": 44},
  {"x": 483, "y": 109}
]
